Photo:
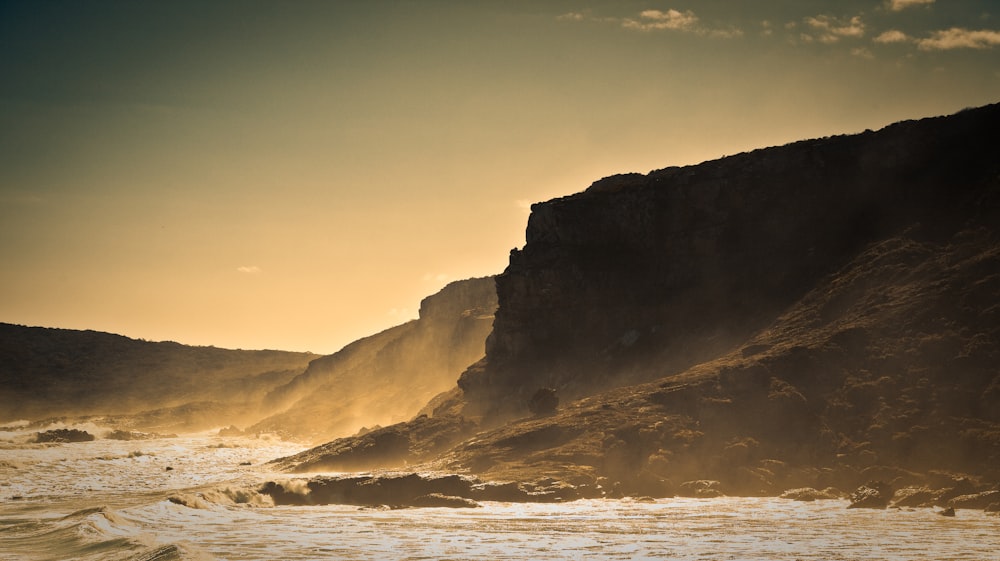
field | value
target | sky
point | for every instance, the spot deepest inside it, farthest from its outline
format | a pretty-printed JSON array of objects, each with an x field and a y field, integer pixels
[{"x": 297, "y": 175}]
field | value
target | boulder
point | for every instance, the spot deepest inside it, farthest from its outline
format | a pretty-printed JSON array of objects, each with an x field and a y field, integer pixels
[
  {"x": 701, "y": 488},
  {"x": 810, "y": 494},
  {"x": 874, "y": 494},
  {"x": 909, "y": 497},
  {"x": 64, "y": 435},
  {"x": 975, "y": 500},
  {"x": 231, "y": 431}
]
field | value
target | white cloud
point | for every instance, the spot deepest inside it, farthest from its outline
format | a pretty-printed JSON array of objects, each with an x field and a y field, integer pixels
[
  {"x": 892, "y": 36},
  {"x": 830, "y": 29},
  {"x": 572, "y": 16},
  {"x": 250, "y": 270},
  {"x": 659, "y": 20},
  {"x": 899, "y": 5},
  {"x": 653, "y": 20},
  {"x": 432, "y": 277},
  {"x": 862, "y": 52},
  {"x": 959, "y": 38}
]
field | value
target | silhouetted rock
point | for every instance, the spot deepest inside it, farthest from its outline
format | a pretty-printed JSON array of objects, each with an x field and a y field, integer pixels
[
  {"x": 702, "y": 488},
  {"x": 909, "y": 497},
  {"x": 231, "y": 431},
  {"x": 947, "y": 512},
  {"x": 64, "y": 435},
  {"x": 975, "y": 500},
  {"x": 874, "y": 494}
]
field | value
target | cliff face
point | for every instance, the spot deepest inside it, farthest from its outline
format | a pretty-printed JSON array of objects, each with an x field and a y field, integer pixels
[
  {"x": 819, "y": 314},
  {"x": 388, "y": 377},
  {"x": 641, "y": 276}
]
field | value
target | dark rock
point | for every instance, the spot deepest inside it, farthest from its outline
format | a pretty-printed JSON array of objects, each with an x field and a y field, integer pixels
[
  {"x": 947, "y": 512},
  {"x": 874, "y": 494},
  {"x": 63, "y": 435},
  {"x": 909, "y": 497},
  {"x": 231, "y": 431},
  {"x": 962, "y": 486},
  {"x": 701, "y": 488},
  {"x": 543, "y": 402},
  {"x": 369, "y": 490},
  {"x": 975, "y": 500}
]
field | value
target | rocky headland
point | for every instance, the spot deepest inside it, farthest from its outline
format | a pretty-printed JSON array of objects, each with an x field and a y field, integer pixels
[
  {"x": 387, "y": 377},
  {"x": 821, "y": 317}
]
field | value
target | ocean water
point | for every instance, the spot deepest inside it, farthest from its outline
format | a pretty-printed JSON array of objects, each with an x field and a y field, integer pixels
[{"x": 115, "y": 500}]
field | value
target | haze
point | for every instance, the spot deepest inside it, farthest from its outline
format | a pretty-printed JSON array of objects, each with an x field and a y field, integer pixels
[{"x": 297, "y": 175}]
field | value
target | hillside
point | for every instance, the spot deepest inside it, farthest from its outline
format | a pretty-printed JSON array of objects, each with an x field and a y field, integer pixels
[
  {"x": 386, "y": 378},
  {"x": 47, "y": 373},
  {"x": 169, "y": 387},
  {"x": 822, "y": 314}
]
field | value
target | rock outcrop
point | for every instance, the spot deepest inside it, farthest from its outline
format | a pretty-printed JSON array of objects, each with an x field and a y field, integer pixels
[
  {"x": 387, "y": 377},
  {"x": 640, "y": 277}
]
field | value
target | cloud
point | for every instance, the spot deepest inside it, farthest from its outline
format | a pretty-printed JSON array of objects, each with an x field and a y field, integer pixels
[
  {"x": 862, "y": 52},
  {"x": 431, "y": 277},
  {"x": 659, "y": 20},
  {"x": 900, "y": 5},
  {"x": 830, "y": 29},
  {"x": 654, "y": 20},
  {"x": 892, "y": 36},
  {"x": 572, "y": 16},
  {"x": 250, "y": 270},
  {"x": 959, "y": 38}
]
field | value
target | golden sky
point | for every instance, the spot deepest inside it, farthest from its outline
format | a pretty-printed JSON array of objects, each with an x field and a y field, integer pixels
[{"x": 297, "y": 175}]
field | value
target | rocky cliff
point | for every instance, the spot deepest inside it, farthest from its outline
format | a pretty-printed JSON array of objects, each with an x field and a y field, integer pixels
[
  {"x": 641, "y": 276},
  {"x": 816, "y": 314},
  {"x": 387, "y": 377}
]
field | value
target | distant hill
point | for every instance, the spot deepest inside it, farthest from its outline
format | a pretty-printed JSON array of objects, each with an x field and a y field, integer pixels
[
  {"x": 168, "y": 387},
  {"x": 818, "y": 314},
  {"x": 388, "y": 377},
  {"x": 48, "y": 373}
]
